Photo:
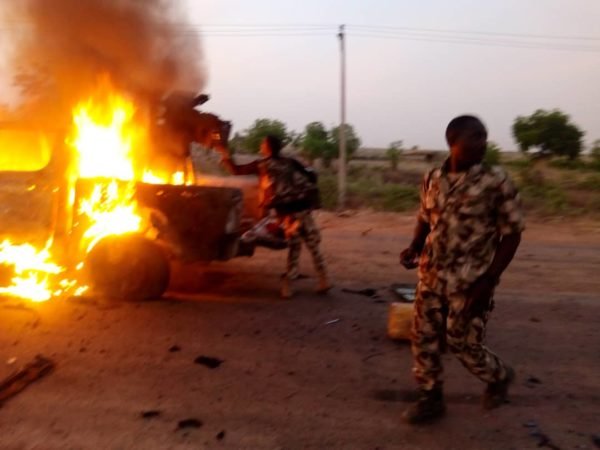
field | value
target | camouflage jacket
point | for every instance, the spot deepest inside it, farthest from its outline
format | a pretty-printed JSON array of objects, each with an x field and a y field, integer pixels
[
  {"x": 467, "y": 213},
  {"x": 282, "y": 180}
]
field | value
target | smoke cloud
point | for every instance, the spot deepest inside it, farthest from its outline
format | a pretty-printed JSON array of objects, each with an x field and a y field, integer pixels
[{"x": 60, "y": 47}]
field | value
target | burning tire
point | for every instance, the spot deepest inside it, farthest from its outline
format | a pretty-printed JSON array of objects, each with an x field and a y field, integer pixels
[{"x": 128, "y": 267}]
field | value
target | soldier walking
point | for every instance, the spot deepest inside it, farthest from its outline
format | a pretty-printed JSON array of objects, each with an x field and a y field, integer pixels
[{"x": 468, "y": 230}]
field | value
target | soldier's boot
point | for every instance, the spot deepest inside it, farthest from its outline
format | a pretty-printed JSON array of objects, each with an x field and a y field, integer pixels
[
  {"x": 323, "y": 286},
  {"x": 286, "y": 288},
  {"x": 429, "y": 407},
  {"x": 496, "y": 394}
]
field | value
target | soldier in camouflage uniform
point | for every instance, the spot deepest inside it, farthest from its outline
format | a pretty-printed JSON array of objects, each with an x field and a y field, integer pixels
[
  {"x": 468, "y": 230},
  {"x": 277, "y": 175}
]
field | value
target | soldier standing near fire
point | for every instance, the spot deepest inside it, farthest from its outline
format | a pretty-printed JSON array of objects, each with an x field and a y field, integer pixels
[
  {"x": 468, "y": 230},
  {"x": 280, "y": 180}
]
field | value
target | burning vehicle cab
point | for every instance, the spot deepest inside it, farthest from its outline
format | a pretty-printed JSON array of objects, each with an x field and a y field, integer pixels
[{"x": 82, "y": 210}]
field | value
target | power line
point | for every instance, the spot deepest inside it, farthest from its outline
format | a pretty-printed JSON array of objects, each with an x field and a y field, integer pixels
[
  {"x": 471, "y": 32},
  {"x": 464, "y": 37},
  {"x": 480, "y": 42}
]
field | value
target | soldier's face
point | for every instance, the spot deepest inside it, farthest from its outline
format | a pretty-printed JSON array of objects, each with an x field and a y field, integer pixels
[{"x": 469, "y": 148}]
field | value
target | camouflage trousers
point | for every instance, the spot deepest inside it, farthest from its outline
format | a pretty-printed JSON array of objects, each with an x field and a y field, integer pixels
[
  {"x": 439, "y": 320},
  {"x": 300, "y": 227}
]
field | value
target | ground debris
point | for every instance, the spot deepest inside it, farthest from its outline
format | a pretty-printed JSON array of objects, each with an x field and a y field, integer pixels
[
  {"x": 542, "y": 438},
  {"x": 530, "y": 381},
  {"x": 151, "y": 414},
  {"x": 596, "y": 440},
  {"x": 368, "y": 292},
  {"x": 220, "y": 436},
  {"x": 189, "y": 423},
  {"x": 174, "y": 349},
  {"x": 209, "y": 361},
  {"x": 18, "y": 381}
]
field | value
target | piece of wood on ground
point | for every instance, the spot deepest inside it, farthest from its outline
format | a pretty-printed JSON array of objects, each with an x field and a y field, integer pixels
[{"x": 26, "y": 375}]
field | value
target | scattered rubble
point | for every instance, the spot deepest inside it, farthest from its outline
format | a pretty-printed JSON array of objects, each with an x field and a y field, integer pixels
[
  {"x": 532, "y": 381},
  {"x": 189, "y": 423},
  {"x": 542, "y": 438},
  {"x": 368, "y": 292},
  {"x": 208, "y": 361},
  {"x": 152, "y": 414},
  {"x": 25, "y": 376}
]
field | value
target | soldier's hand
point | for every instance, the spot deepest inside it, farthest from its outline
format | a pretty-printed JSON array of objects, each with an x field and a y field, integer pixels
[
  {"x": 409, "y": 258},
  {"x": 479, "y": 295}
]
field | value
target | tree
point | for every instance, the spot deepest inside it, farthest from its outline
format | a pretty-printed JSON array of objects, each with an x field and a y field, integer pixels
[
  {"x": 316, "y": 143},
  {"x": 261, "y": 128},
  {"x": 393, "y": 154},
  {"x": 236, "y": 143},
  {"x": 595, "y": 153},
  {"x": 492, "y": 154},
  {"x": 551, "y": 132},
  {"x": 352, "y": 140}
]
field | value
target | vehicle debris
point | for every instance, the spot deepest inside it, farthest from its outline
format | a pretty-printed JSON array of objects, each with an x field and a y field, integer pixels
[
  {"x": 209, "y": 361},
  {"x": 25, "y": 376},
  {"x": 368, "y": 292},
  {"x": 152, "y": 414},
  {"x": 189, "y": 423}
]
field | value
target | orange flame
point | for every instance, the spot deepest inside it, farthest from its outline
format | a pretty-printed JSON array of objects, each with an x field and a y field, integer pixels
[{"x": 108, "y": 139}]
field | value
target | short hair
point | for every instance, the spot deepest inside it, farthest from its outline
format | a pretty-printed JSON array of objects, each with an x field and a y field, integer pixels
[
  {"x": 275, "y": 144},
  {"x": 458, "y": 125}
]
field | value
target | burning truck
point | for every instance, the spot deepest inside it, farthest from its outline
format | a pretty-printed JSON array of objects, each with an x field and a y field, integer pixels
[{"x": 106, "y": 203}]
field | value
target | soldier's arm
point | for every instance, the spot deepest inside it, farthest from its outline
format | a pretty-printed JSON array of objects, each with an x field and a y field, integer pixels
[
  {"x": 510, "y": 226},
  {"x": 505, "y": 252},
  {"x": 423, "y": 228},
  {"x": 421, "y": 232},
  {"x": 240, "y": 169}
]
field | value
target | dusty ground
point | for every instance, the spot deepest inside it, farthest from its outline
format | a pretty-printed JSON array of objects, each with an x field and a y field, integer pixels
[{"x": 289, "y": 380}]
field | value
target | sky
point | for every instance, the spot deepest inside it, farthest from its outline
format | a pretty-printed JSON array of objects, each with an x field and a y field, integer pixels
[
  {"x": 399, "y": 88},
  {"x": 401, "y": 85}
]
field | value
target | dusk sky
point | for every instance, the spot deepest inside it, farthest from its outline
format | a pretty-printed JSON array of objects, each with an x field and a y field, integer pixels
[
  {"x": 401, "y": 88},
  {"x": 412, "y": 66}
]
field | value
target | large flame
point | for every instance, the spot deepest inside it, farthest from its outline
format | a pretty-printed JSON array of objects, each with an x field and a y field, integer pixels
[
  {"x": 33, "y": 270},
  {"x": 108, "y": 136}
]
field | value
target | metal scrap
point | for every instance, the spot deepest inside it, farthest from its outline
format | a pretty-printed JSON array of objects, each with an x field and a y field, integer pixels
[{"x": 25, "y": 376}]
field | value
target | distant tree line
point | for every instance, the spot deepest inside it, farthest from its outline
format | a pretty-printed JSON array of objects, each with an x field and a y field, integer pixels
[
  {"x": 543, "y": 134},
  {"x": 316, "y": 141}
]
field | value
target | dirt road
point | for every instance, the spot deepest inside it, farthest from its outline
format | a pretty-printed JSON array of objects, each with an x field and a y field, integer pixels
[{"x": 311, "y": 372}]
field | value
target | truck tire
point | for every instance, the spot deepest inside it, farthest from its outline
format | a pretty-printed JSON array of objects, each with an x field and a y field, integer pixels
[{"x": 128, "y": 267}]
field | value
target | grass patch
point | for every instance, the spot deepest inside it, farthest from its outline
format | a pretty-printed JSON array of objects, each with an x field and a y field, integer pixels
[
  {"x": 521, "y": 163},
  {"x": 568, "y": 164},
  {"x": 368, "y": 190},
  {"x": 540, "y": 195},
  {"x": 590, "y": 183}
]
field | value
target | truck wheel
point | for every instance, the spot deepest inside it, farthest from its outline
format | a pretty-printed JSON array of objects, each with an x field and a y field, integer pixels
[{"x": 128, "y": 267}]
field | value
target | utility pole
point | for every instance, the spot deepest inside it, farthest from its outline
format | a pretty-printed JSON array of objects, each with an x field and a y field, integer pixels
[{"x": 342, "y": 137}]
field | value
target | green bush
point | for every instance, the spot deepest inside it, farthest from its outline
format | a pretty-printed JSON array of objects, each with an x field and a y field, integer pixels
[
  {"x": 492, "y": 154},
  {"x": 399, "y": 198},
  {"x": 540, "y": 195},
  {"x": 568, "y": 164},
  {"x": 590, "y": 183},
  {"x": 328, "y": 185},
  {"x": 521, "y": 163}
]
